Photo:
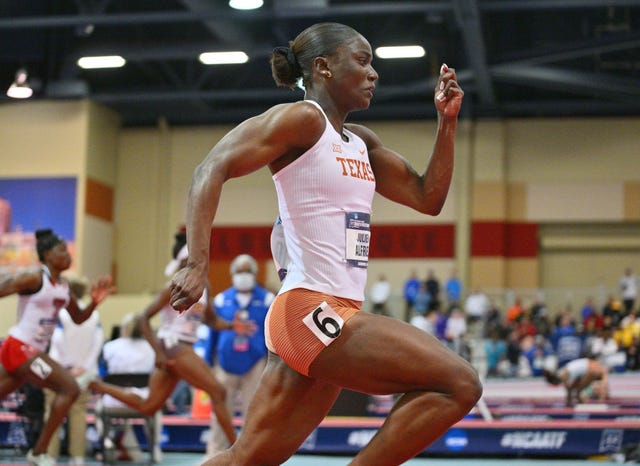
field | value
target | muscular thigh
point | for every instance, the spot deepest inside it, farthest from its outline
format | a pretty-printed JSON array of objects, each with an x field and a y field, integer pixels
[
  {"x": 44, "y": 372},
  {"x": 285, "y": 409},
  {"x": 378, "y": 354}
]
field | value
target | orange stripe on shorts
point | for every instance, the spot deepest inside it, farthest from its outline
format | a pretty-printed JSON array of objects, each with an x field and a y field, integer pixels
[{"x": 289, "y": 337}]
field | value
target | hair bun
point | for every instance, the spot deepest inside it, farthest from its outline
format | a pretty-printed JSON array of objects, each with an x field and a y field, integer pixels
[{"x": 44, "y": 232}]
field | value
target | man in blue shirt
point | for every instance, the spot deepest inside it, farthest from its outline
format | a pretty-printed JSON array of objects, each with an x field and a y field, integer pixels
[
  {"x": 411, "y": 287},
  {"x": 239, "y": 358}
]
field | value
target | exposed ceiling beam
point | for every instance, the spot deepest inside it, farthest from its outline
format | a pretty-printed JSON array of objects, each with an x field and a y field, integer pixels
[
  {"x": 512, "y": 5},
  {"x": 580, "y": 49},
  {"x": 575, "y": 82},
  {"x": 224, "y": 31},
  {"x": 356, "y": 9},
  {"x": 468, "y": 18}
]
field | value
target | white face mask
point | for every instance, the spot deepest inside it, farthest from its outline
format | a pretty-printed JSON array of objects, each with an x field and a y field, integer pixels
[{"x": 243, "y": 281}]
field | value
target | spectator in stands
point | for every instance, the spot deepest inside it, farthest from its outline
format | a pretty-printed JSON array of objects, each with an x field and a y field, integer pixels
[
  {"x": 421, "y": 320},
  {"x": 493, "y": 320},
  {"x": 455, "y": 331},
  {"x": 495, "y": 350},
  {"x": 588, "y": 309},
  {"x": 629, "y": 289},
  {"x": 476, "y": 308},
  {"x": 433, "y": 288},
  {"x": 593, "y": 320},
  {"x": 566, "y": 342},
  {"x": 76, "y": 347},
  {"x": 628, "y": 330},
  {"x": 379, "y": 294},
  {"x": 453, "y": 290},
  {"x": 538, "y": 308},
  {"x": 536, "y": 349},
  {"x": 410, "y": 291},
  {"x": 525, "y": 327},
  {"x": 240, "y": 357},
  {"x": 421, "y": 304},
  {"x": 633, "y": 355},
  {"x": 604, "y": 348},
  {"x": 514, "y": 311},
  {"x": 440, "y": 318},
  {"x": 513, "y": 354},
  {"x": 544, "y": 326},
  {"x": 613, "y": 311}
]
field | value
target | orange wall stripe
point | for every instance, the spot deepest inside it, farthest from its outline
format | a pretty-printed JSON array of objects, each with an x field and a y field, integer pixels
[{"x": 99, "y": 200}]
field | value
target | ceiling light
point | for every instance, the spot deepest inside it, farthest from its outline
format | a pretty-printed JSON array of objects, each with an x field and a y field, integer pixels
[
  {"x": 245, "y": 4},
  {"x": 405, "y": 51},
  {"x": 223, "y": 58},
  {"x": 107, "y": 61},
  {"x": 20, "y": 88}
]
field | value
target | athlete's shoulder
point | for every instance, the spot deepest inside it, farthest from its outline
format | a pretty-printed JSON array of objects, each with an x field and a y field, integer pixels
[
  {"x": 28, "y": 281},
  {"x": 301, "y": 114},
  {"x": 294, "y": 126}
]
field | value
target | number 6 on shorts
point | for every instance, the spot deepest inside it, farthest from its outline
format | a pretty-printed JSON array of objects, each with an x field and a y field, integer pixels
[{"x": 325, "y": 323}]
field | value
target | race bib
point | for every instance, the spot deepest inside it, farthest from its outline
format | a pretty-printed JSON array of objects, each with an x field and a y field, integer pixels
[
  {"x": 325, "y": 323},
  {"x": 358, "y": 235},
  {"x": 41, "y": 368}
]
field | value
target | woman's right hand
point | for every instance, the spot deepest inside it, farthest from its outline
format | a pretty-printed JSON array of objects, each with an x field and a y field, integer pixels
[{"x": 186, "y": 288}]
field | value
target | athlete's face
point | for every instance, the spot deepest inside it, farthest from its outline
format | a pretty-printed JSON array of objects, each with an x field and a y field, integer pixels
[
  {"x": 58, "y": 257},
  {"x": 352, "y": 68}
]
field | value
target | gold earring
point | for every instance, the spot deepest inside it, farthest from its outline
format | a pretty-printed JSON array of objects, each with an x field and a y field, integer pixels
[{"x": 328, "y": 74}]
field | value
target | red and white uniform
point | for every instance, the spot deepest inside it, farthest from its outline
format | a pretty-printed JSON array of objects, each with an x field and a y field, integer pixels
[
  {"x": 38, "y": 313},
  {"x": 325, "y": 199},
  {"x": 182, "y": 326}
]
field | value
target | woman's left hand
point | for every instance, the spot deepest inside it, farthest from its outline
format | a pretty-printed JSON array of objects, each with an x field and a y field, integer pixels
[
  {"x": 448, "y": 94},
  {"x": 101, "y": 288}
]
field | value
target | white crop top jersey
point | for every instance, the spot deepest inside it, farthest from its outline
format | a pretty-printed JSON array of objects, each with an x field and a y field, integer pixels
[
  {"x": 325, "y": 199},
  {"x": 576, "y": 368},
  {"x": 182, "y": 325},
  {"x": 38, "y": 313}
]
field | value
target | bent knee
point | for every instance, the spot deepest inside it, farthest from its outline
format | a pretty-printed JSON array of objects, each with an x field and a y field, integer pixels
[
  {"x": 467, "y": 389},
  {"x": 148, "y": 409},
  {"x": 68, "y": 394},
  {"x": 73, "y": 392}
]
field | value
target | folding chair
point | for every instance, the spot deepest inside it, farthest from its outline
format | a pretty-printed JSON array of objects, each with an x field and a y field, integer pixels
[{"x": 114, "y": 417}]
